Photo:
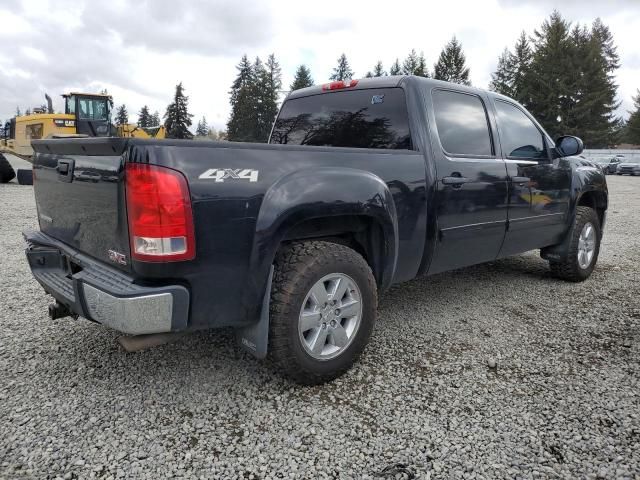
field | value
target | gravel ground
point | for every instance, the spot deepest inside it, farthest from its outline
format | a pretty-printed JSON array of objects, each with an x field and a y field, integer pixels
[{"x": 562, "y": 400}]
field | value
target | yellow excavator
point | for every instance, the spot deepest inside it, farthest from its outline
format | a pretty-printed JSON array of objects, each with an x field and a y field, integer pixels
[{"x": 85, "y": 115}]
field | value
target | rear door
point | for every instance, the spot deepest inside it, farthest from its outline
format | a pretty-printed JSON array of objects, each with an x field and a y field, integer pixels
[
  {"x": 539, "y": 187},
  {"x": 471, "y": 180}
]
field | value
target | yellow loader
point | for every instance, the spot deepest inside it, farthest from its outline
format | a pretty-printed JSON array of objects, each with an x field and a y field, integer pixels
[{"x": 85, "y": 115}]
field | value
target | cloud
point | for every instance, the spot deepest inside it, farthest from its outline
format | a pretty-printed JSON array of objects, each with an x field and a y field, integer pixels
[
  {"x": 224, "y": 27},
  {"x": 139, "y": 50}
]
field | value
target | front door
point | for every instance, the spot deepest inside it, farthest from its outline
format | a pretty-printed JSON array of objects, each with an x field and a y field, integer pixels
[
  {"x": 472, "y": 181},
  {"x": 539, "y": 186}
]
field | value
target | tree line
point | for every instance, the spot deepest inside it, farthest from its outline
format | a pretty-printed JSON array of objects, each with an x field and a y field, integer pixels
[{"x": 563, "y": 74}]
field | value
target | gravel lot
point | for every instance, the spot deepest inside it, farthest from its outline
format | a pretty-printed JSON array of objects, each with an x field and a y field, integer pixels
[{"x": 562, "y": 402}]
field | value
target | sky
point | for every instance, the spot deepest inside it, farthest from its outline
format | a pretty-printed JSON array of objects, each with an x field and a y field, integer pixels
[{"x": 139, "y": 50}]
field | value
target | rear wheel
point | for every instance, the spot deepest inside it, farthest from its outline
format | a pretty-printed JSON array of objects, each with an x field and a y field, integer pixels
[
  {"x": 6, "y": 170},
  {"x": 323, "y": 307},
  {"x": 584, "y": 247}
]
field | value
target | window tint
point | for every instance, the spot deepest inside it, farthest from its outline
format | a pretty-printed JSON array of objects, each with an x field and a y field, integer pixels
[
  {"x": 462, "y": 123},
  {"x": 518, "y": 135},
  {"x": 374, "y": 118}
]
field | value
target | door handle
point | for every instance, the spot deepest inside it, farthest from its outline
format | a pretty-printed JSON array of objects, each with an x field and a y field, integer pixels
[
  {"x": 520, "y": 180},
  {"x": 455, "y": 181},
  {"x": 65, "y": 170},
  {"x": 63, "y": 167}
]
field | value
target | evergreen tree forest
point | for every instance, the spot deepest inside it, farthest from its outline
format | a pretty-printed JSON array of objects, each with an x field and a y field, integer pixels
[{"x": 564, "y": 75}]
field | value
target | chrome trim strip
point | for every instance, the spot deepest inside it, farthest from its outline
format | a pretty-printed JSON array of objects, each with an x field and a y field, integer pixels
[{"x": 525, "y": 162}]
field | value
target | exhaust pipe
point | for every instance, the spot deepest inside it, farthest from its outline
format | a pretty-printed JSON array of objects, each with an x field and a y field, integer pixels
[
  {"x": 136, "y": 343},
  {"x": 49, "y": 103},
  {"x": 58, "y": 310}
]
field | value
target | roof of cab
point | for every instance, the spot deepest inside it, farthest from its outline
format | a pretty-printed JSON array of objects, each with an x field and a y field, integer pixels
[{"x": 380, "y": 82}]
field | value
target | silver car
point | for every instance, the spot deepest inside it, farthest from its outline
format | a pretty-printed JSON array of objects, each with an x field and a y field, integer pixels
[{"x": 629, "y": 168}]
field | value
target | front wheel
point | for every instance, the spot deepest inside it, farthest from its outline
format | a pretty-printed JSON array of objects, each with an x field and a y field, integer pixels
[
  {"x": 323, "y": 307},
  {"x": 584, "y": 247}
]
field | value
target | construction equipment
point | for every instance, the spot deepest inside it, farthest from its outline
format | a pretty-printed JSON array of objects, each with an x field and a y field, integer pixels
[{"x": 85, "y": 115}]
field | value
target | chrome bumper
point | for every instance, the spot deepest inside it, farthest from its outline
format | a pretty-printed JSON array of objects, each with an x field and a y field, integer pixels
[{"x": 103, "y": 294}]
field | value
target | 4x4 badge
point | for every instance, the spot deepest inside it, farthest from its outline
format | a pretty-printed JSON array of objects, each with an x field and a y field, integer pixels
[{"x": 222, "y": 174}]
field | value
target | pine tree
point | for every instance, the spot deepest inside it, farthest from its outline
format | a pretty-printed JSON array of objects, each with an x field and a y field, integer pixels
[
  {"x": 378, "y": 70},
  {"x": 410, "y": 64},
  {"x": 269, "y": 101},
  {"x": 122, "y": 116},
  {"x": 415, "y": 64},
  {"x": 302, "y": 78},
  {"x": 155, "y": 119},
  {"x": 522, "y": 58},
  {"x": 596, "y": 121},
  {"x": 242, "y": 122},
  {"x": 632, "y": 129},
  {"x": 144, "y": 117},
  {"x": 342, "y": 71},
  {"x": 591, "y": 103},
  {"x": 422, "y": 70},
  {"x": 451, "y": 65},
  {"x": 395, "y": 68},
  {"x": 513, "y": 74},
  {"x": 177, "y": 118},
  {"x": 264, "y": 92},
  {"x": 18, "y": 112},
  {"x": 502, "y": 78},
  {"x": 550, "y": 82},
  {"x": 202, "y": 130}
]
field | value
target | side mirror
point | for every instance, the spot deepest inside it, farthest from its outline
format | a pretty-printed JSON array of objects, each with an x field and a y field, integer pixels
[{"x": 568, "y": 145}]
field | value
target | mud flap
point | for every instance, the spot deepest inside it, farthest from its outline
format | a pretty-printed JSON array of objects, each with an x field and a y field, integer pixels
[{"x": 255, "y": 337}]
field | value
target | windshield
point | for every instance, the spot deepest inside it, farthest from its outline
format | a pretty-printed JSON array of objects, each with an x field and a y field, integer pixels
[{"x": 93, "y": 109}]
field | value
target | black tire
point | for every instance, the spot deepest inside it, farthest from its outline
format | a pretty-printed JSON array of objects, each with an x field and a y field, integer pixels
[
  {"x": 25, "y": 176},
  {"x": 569, "y": 269},
  {"x": 6, "y": 170},
  {"x": 298, "y": 267}
]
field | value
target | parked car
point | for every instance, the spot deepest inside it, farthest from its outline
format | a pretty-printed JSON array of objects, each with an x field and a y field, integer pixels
[
  {"x": 364, "y": 184},
  {"x": 628, "y": 168},
  {"x": 602, "y": 163}
]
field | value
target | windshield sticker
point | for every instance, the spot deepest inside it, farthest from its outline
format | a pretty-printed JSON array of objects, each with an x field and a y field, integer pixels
[{"x": 377, "y": 99}]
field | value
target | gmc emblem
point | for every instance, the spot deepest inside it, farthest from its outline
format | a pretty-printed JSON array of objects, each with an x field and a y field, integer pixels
[{"x": 117, "y": 257}]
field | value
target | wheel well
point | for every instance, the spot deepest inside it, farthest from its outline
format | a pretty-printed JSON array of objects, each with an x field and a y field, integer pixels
[
  {"x": 361, "y": 233},
  {"x": 596, "y": 201}
]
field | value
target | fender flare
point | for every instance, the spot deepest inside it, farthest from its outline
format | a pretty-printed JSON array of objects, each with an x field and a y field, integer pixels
[{"x": 318, "y": 192}]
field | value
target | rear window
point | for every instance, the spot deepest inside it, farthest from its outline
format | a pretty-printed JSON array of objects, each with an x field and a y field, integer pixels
[{"x": 373, "y": 118}]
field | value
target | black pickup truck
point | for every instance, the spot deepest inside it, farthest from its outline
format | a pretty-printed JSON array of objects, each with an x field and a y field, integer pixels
[{"x": 363, "y": 184}]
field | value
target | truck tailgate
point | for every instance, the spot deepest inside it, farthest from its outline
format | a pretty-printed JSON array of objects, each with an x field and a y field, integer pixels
[{"x": 80, "y": 197}]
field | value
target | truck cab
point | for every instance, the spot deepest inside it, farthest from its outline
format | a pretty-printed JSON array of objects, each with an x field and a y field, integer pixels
[{"x": 91, "y": 113}]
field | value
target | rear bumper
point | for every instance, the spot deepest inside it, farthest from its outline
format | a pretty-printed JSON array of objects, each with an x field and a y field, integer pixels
[{"x": 103, "y": 294}]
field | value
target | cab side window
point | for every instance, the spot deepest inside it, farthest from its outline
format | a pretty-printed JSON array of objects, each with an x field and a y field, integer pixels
[
  {"x": 462, "y": 124},
  {"x": 519, "y": 136}
]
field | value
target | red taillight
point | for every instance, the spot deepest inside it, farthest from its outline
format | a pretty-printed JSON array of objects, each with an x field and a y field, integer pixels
[
  {"x": 159, "y": 213},
  {"x": 339, "y": 84}
]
